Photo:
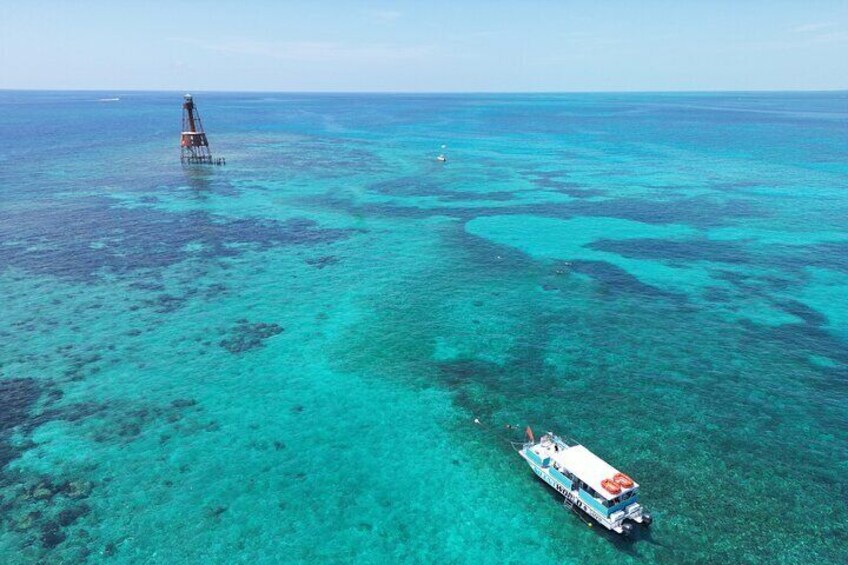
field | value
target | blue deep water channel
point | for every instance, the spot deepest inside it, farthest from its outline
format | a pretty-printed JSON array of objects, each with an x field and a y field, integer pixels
[{"x": 280, "y": 360}]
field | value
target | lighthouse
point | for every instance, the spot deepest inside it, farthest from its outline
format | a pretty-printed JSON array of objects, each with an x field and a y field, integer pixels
[{"x": 194, "y": 147}]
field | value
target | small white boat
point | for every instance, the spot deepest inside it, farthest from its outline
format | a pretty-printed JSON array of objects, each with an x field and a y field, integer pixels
[
  {"x": 442, "y": 157},
  {"x": 587, "y": 482}
]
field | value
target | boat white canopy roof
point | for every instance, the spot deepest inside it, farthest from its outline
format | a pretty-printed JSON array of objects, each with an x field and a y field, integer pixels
[{"x": 589, "y": 468}]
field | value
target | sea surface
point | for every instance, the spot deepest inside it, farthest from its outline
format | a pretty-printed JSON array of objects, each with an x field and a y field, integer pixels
[{"x": 281, "y": 360}]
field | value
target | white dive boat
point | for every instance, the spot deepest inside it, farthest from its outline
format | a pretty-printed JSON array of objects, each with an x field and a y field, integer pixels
[{"x": 586, "y": 481}]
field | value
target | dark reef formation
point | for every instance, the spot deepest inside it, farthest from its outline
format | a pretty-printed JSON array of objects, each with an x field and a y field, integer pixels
[
  {"x": 47, "y": 510},
  {"x": 246, "y": 336},
  {"x": 43, "y": 508},
  {"x": 94, "y": 235},
  {"x": 324, "y": 261},
  {"x": 17, "y": 397}
]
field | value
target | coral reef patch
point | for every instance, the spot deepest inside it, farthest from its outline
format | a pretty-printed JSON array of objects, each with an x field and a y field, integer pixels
[
  {"x": 246, "y": 336},
  {"x": 17, "y": 398},
  {"x": 95, "y": 236}
]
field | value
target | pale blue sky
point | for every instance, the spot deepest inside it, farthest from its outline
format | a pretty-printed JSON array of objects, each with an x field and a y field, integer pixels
[{"x": 434, "y": 45}]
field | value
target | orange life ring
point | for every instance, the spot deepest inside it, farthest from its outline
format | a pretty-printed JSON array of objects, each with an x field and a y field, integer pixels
[
  {"x": 611, "y": 486},
  {"x": 623, "y": 480}
]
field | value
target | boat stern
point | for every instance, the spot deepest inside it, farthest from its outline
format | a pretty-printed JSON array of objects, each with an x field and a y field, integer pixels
[{"x": 620, "y": 520}]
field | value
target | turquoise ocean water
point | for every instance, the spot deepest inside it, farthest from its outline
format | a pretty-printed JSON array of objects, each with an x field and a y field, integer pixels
[{"x": 280, "y": 360}]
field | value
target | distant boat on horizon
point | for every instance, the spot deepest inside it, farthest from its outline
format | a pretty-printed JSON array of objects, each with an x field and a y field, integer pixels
[{"x": 109, "y": 99}]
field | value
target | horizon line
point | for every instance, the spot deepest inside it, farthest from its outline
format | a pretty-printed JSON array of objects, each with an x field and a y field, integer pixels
[{"x": 431, "y": 92}]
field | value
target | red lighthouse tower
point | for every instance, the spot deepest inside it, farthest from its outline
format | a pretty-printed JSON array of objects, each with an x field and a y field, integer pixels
[{"x": 194, "y": 147}]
